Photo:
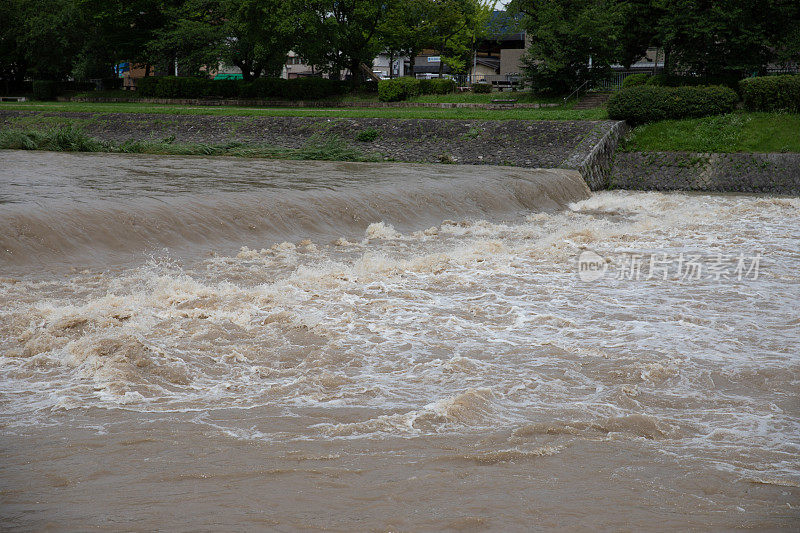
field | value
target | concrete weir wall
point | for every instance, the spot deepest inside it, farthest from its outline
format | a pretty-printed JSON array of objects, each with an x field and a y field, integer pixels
[
  {"x": 594, "y": 157},
  {"x": 776, "y": 173}
]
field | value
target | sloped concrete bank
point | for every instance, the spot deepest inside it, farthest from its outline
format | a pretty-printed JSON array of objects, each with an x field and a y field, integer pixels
[
  {"x": 542, "y": 144},
  {"x": 775, "y": 173},
  {"x": 587, "y": 146},
  {"x": 594, "y": 158}
]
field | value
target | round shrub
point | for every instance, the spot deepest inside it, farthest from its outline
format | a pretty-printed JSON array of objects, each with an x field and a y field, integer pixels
[
  {"x": 482, "y": 88},
  {"x": 657, "y": 79},
  {"x": 263, "y": 88},
  {"x": 367, "y": 135},
  {"x": 147, "y": 86},
  {"x": 635, "y": 79},
  {"x": 398, "y": 89},
  {"x": 441, "y": 86},
  {"x": 771, "y": 93},
  {"x": 641, "y": 104}
]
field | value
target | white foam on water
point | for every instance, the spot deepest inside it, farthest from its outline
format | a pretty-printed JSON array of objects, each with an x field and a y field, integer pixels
[{"x": 470, "y": 324}]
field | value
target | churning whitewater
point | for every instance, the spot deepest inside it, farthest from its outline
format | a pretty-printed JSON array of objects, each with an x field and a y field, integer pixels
[{"x": 350, "y": 346}]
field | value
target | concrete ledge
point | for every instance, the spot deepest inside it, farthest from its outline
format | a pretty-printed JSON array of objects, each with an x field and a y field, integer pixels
[
  {"x": 776, "y": 173},
  {"x": 594, "y": 157}
]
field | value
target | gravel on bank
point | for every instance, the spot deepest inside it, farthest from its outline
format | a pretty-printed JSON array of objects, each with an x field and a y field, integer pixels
[{"x": 545, "y": 144}]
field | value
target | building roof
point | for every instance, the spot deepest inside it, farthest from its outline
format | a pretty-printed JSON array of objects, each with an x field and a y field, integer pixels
[
  {"x": 430, "y": 69},
  {"x": 490, "y": 62}
]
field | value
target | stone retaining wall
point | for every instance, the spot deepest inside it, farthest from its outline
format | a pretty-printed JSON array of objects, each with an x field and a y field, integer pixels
[
  {"x": 522, "y": 143},
  {"x": 302, "y": 103},
  {"x": 594, "y": 157},
  {"x": 776, "y": 173}
]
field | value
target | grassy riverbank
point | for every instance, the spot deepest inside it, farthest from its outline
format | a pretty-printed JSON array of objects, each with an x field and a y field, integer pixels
[
  {"x": 548, "y": 113},
  {"x": 467, "y": 97},
  {"x": 72, "y": 139},
  {"x": 734, "y": 132}
]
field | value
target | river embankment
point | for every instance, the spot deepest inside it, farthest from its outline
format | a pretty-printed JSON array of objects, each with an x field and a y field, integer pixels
[{"x": 589, "y": 146}]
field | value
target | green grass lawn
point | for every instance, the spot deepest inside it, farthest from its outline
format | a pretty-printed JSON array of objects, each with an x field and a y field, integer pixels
[
  {"x": 523, "y": 97},
  {"x": 554, "y": 113},
  {"x": 735, "y": 132}
]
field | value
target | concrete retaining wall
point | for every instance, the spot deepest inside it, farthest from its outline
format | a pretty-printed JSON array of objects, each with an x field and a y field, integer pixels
[
  {"x": 776, "y": 173},
  {"x": 594, "y": 157},
  {"x": 523, "y": 143}
]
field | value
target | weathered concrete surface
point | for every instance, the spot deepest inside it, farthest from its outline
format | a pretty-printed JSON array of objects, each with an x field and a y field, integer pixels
[
  {"x": 537, "y": 144},
  {"x": 777, "y": 173},
  {"x": 595, "y": 156}
]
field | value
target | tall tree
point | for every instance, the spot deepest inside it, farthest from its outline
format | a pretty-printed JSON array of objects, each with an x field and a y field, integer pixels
[
  {"x": 639, "y": 31},
  {"x": 49, "y": 38},
  {"x": 455, "y": 27},
  {"x": 191, "y": 39},
  {"x": 341, "y": 34},
  {"x": 13, "y": 61},
  {"x": 257, "y": 35},
  {"x": 406, "y": 29},
  {"x": 117, "y": 31},
  {"x": 572, "y": 41},
  {"x": 728, "y": 39}
]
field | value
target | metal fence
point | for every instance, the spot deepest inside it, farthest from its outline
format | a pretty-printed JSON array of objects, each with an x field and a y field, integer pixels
[
  {"x": 496, "y": 80},
  {"x": 614, "y": 82}
]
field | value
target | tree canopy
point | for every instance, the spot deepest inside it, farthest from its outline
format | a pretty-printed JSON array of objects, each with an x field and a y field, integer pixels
[
  {"x": 573, "y": 41},
  {"x": 81, "y": 39}
]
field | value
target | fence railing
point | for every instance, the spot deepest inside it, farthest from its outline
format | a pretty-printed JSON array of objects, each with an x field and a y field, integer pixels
[
  {"x": 614, "y": 82},
  {"x": 585, "y": 86},
  {"x": 497, "y": 80}
]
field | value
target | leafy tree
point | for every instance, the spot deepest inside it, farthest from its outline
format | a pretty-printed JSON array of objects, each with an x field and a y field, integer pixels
[
  {"x": 341, "y": 34},
  {"x": 728, "y": 39},
  {"x": 257, "y": 35},
  {"x": 639, "y": 31},
  {"x": 191, "y": 38},
  {"x": 117, "y": 31},
  {"x": 455, "y": 26},
  {"x": 48, "y": 37},
  {"x": 572, "y": 41},
  {"x": 406, "y": 29},
  {"x": 13, "y": 63}
]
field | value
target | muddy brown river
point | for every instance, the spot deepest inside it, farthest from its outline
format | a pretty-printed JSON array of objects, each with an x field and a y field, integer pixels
[{"x": 212, "y": 344}]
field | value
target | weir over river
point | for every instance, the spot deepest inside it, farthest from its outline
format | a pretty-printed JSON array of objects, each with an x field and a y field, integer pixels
[{"x": 219, "y": 344}]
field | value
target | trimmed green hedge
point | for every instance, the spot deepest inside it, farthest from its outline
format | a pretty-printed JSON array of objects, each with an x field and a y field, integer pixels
[
  {"x": 45, "y": 90},
  {"x": 635, "y": 79},
  {"x": 48, "y": 89},
  {"x": 481, "y": 88},
  {"x": 407, "y": 87},
  {"x": 647, "y": 103},
  {"x": 263, "y": 88},
  {"x": 437, "y": 86},
  {"x": 771, "y": 93}
]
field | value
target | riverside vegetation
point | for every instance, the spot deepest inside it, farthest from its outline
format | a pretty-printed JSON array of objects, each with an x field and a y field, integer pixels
[{"x": 68, "y": 138}]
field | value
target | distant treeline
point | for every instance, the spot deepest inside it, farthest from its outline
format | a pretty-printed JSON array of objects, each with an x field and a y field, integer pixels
[
  {"x": 84, "y": 39},
  {"x": 713, "y": 41},
  {"x": 571, "y": 41}
]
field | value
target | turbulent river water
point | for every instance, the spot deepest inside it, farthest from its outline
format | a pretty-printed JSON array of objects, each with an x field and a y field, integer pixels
[{"x": 222, "y": 344}]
